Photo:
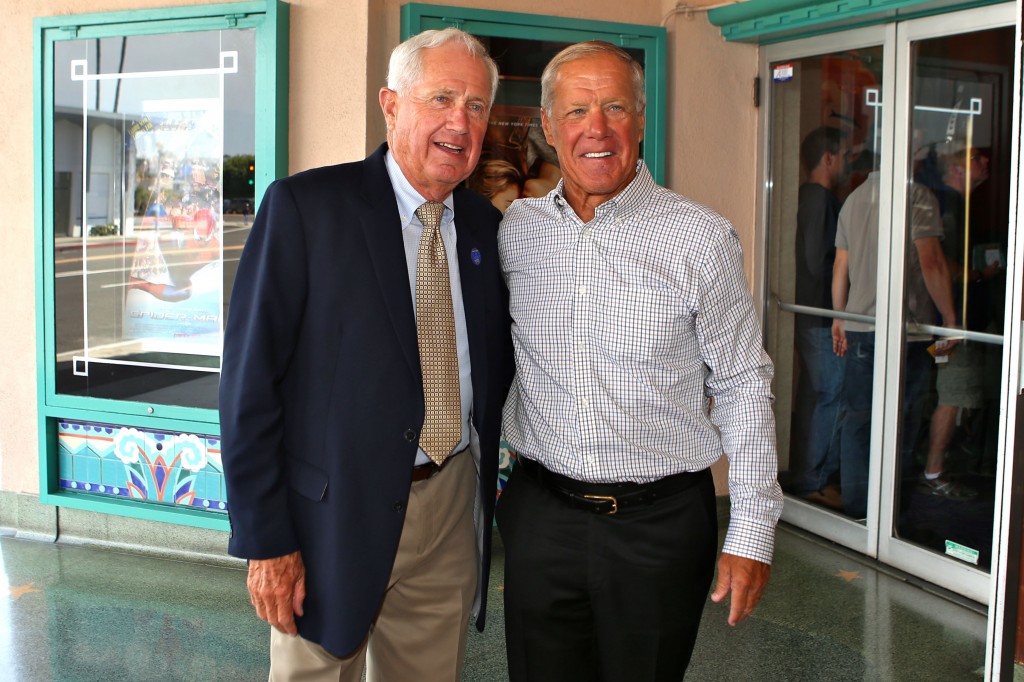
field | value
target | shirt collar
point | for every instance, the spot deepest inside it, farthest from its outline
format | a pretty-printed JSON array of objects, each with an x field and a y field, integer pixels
[
  {"x": 628, "y": 201},
  {"x": 408, "y": 198}
]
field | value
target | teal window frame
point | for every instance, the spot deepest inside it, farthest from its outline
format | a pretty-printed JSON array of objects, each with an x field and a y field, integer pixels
[
  {"x": 270, "y": 21},
  {"x": 417, "y": 17}
]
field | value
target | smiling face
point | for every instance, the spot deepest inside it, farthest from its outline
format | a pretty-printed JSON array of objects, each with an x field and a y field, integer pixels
[
  {"x": 436, "y": 128},
  {"x": 596, "y": 128}
]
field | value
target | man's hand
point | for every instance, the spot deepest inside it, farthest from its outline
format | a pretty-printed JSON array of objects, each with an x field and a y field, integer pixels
[
  {"x": 945, "y": 346},
  {"x": 277, "y": 588},
  {"x": 746, "y": 579},
  {"x": 838, "y": 338}
]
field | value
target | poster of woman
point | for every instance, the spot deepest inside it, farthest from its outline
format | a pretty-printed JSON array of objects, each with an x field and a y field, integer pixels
[{"x": 516, "y": 160}]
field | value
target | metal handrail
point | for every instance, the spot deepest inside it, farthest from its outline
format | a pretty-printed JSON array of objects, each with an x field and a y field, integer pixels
[{"x": 911, "y": 327}]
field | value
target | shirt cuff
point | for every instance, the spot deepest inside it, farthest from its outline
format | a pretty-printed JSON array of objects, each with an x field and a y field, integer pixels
[{"x": 750, "y": 539}]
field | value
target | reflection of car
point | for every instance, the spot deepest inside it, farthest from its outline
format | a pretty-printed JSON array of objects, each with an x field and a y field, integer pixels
[{"x": 238, "y": 206}]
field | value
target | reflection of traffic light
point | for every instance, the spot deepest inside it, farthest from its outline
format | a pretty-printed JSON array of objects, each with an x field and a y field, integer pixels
[{"x": 252, "y": 173}]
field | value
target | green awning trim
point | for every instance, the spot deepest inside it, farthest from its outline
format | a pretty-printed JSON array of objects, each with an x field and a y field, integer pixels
[{"x": 769, "y": 21}]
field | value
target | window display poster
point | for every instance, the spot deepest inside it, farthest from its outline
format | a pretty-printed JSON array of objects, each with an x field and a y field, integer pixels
[
  {"x": 516, "y": 160},
  {"x": 173, "y": 297}
]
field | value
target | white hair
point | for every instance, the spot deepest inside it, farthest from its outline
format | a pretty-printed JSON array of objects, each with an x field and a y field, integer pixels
[
  {"x": 580, "y": 50},
  {"x": 406, "y": 66}
]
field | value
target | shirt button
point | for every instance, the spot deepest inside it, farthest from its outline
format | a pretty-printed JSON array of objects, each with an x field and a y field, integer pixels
[
  {"x": 582, "y": 289},
  {"x": 410, "y": 435},
  {"x": 584, "y": 403},
  {"x": 586, "y": 233}
]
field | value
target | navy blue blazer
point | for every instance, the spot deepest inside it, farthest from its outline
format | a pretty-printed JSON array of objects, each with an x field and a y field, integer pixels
[{"x": 321, "y": 398}]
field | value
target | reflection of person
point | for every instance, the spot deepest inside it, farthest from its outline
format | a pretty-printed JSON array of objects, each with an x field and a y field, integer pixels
[
  {"x": 498, "y": 180},
  {"x": 157, "y": 209},
  {"x": 854, "y": 285},
  {"x": 357, "y": 541},
  {"x": 639, "y": 360},
  {"x": 960, "y": 381},
  {"x": 820, "y": 390},
  {"x": 845, "y": 80}
]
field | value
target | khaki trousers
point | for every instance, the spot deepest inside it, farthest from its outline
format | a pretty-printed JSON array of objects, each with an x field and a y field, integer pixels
[{"x": 420, "y": 631}]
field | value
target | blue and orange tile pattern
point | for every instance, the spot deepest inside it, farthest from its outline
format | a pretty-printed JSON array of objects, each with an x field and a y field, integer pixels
[
  {"x": 166, "y": 467},
  {"x": 506, "y": 461}
]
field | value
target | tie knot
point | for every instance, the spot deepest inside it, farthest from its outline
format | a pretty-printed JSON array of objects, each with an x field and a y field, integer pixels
[{"x": 430, "y": 214}]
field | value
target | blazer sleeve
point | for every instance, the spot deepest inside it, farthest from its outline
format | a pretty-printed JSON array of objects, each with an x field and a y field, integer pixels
[{"x": 264, "y": 318}]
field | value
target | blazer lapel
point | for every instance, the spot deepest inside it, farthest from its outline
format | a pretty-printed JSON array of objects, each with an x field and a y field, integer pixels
[
  {"x": 471, "y": 269},
  {"x": 380, "y": 224}
]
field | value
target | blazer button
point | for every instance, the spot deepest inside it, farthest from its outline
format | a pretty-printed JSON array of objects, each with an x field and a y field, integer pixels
[
  {"x": 398, "y": 506},
  {"x": 410, "y": 436}
]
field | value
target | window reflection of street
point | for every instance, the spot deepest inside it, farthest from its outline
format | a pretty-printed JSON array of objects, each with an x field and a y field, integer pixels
[
  {"x": 99, "y": 244},
  {"x": 154, "y": 190},
  {"x": 108, "y": 262}
]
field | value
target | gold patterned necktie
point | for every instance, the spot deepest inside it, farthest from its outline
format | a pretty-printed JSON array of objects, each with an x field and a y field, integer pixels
[{"x": 435, "y": 334}]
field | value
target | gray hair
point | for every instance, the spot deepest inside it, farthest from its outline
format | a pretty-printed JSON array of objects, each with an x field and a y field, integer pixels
[
  {"x": 580, "y": 50},
  {"x": 406, "y": 66}
]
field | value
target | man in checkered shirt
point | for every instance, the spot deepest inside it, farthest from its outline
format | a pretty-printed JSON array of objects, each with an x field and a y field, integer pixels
[{"x": 639, "y": 362}]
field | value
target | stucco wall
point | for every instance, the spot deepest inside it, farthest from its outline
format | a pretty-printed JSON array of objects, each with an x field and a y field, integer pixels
[
  {"x": 712, "y": 122},
  {"x": 339, "y": 52}
]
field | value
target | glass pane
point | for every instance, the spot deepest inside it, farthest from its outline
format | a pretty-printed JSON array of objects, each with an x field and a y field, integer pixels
[
  {"x": 825, "y": 137},
  {"x": 953, "y": 291},
  {"x": 154, "y": 164}
]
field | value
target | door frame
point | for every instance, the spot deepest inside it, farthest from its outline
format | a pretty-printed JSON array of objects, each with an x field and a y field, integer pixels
[
  {"x": 847, "y": 532},
  {"x": 1004, "y": 613},
  {"x": 960, "y": 577},
  {"x": 869, "y": 538}
]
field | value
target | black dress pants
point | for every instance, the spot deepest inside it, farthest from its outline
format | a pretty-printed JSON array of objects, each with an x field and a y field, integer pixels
[{"x": 604, "y": 598}]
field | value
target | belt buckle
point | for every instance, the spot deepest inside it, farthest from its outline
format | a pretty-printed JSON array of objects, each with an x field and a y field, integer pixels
[{"x": 605, "y": 498}]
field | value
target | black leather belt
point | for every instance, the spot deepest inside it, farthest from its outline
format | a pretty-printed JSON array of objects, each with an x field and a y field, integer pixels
[
  {"x": 608, "y": 498},
  {"x": 422, "y": 472}
]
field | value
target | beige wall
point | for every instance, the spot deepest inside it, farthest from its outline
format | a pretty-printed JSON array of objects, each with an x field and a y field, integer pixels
[
  {"x": 329, "y": 90},
  {"x": 18, "y": 440},
  {"x": 712, "y": 122},
  {"x": 339, "y": 54}
]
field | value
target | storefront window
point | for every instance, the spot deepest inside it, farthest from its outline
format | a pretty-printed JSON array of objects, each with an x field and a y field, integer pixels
[
  {"x": 153, "y": 156},
  {"x": 154, "y": 137}
]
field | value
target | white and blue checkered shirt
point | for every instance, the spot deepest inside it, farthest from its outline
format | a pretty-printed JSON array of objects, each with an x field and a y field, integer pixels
[{"x": 625, "y": 329}]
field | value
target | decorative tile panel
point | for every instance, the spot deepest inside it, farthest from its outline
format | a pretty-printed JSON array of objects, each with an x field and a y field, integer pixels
[{"x": 165, "y": 467}]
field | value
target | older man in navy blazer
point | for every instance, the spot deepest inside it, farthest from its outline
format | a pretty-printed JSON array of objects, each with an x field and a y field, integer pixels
[{"x": 360, "y": 547}]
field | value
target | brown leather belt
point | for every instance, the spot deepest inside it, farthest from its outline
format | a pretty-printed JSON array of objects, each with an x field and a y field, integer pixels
[
  {"x": 608, "y": 498},
  {"x": 422, "y": 472}
]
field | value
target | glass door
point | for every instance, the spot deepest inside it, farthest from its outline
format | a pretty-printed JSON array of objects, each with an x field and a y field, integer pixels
[
  {"x": 887, "y": 205},
  {"x": 825, "y": 128},
  {"x": 954, "y": 142}
]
